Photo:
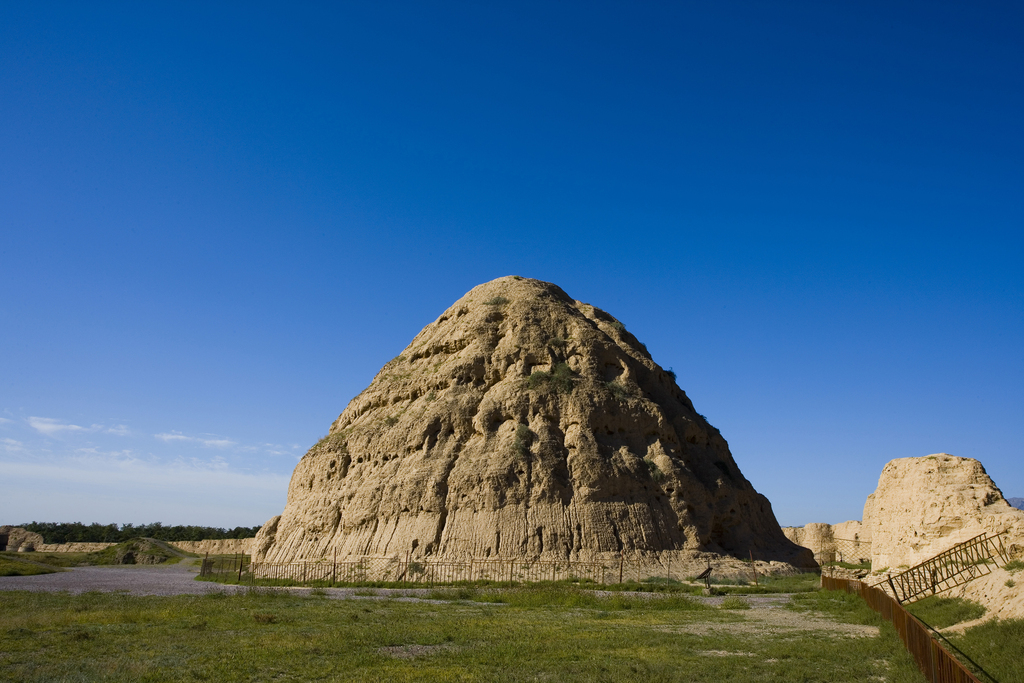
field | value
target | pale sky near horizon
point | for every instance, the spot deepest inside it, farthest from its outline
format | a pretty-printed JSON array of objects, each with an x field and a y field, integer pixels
[{"x": 219, "y": 221}]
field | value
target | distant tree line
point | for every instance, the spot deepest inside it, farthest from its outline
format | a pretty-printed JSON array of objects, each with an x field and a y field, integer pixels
[{"x": 76, "y": 532}]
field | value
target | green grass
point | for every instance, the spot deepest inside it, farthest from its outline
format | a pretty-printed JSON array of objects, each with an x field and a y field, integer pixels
[
  {"x": 536, "y": 634},
  {"x": 733, "y": 602},
  {"x": 556, "y": 595},
  {"x": 561, "y": 378},
  {"x": 797, "y": 583},
  {"x": 496, "y": 301},
  {"x": 838, "y": 604},
  {"x": 617, "y": 390},
  {"x": 998, "y": 646},
  {"x": 51, "y": 559},
  {"x": 17, "y": 566},
  {"x": 939, "y": 612},
  {"x": 1014, "y": 566},
  {"x": 849, "y": 565}
]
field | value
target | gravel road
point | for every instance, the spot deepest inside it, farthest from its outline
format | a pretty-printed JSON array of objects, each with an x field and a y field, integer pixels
[{"x": 175, "y": 579}]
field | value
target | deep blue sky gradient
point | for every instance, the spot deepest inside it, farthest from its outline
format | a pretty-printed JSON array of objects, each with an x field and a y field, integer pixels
[{"x": 219, "y": 220}]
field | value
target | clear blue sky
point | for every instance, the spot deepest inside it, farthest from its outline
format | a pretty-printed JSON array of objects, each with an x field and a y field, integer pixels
[{"x": 219, "y": 220}]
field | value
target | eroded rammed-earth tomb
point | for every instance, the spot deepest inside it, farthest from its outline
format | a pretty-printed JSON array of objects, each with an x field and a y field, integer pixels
[{"x": 522, "y": 424}]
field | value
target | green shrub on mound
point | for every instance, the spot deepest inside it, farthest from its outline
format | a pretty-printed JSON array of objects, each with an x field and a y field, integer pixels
[{"x": 134, "y": 551}]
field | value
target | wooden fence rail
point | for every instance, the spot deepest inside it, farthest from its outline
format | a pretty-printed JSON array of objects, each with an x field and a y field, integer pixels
[{"x": 937, "y": 664}]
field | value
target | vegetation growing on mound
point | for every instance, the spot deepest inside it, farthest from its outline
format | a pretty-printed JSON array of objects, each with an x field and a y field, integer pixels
[
  {"x": 135, "y": 551},
  {"x": 76, "y": 532},
  {"x": 1014, "y": 566},
  {"x": 561, "y": 378},
  {"x": 524, "y": 437}
]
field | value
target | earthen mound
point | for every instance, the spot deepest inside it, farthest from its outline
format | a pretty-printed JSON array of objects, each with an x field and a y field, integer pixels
[
  {"x": 924, "y": 506},
  {"x": 522, "y": 424}
]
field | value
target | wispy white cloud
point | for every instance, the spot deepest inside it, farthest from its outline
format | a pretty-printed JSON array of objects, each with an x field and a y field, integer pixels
[
  {"x": 217, "y": 443},
  {"x": 4, "y": 421},
  {"x": 49, "y": 426},
  {"x": 119, "y": 430},
  {"x": 93, "y": 452},
  {"x": 173, "y": 436},
  {"x": 212, "y": 443},
  {"x": 12, "y": 446}
]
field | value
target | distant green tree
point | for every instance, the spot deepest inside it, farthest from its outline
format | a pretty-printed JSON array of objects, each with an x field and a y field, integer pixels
[{"x": 76, "y": 532}]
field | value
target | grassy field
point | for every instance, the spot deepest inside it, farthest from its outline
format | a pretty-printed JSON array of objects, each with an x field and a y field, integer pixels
[
  {"x": 997, "y": 646},
  {"x": 940, "y": 612},
  {"x": 11, "y": 564},
  {"x": 549, "y": 633}
]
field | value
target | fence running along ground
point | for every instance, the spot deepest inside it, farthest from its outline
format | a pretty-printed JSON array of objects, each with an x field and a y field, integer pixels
[
  {"x": 954, "y": 567},
  {"x": 853, "y": 551},
  {"x": 935, "y": 662},
  {"x": 398, "y": 569},
  {"x": 225, "y": 565},
  {"x": 395, "y": 570}
]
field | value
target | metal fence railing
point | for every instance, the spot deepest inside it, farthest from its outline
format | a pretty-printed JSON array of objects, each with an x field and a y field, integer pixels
[
  {"x": 937, "y": 664},
  {"x": 225, "y": 565},
  {"x": 406, "y": 569},
  {"x": 954, "y": 567},
  {"x": 395, "y": 569}
]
